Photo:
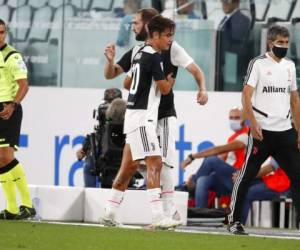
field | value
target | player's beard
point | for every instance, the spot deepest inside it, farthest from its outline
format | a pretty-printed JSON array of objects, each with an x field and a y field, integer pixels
[{"x": 142, "y": 36}]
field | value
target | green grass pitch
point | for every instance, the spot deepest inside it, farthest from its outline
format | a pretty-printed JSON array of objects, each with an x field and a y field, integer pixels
[{"x": 18, "y": 235}]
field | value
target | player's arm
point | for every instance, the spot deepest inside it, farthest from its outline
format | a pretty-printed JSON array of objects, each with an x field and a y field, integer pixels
[
  {"x": 198, "y": 74},
  {"x": 179, "y": 57},
  {"x": 127, "y": 82},
  {"x": 232, "y": 146},
  {"x": 165, "y": 85},
  {"x": 111, "y": 69}
]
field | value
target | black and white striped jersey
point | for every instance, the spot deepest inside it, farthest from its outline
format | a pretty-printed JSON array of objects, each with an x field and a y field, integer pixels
[
  {"x": 144, "y": 96},
  {"x": 272, "y": 82},
  {"x": 173, "y": 58}
]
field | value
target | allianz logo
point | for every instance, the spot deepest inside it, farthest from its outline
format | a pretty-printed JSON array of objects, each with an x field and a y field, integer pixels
[{"x": 273, "y": 89}]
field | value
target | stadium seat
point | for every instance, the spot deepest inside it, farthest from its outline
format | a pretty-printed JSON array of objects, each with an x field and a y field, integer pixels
[
  {"x": 264, "y": 214},
  {"x": 280, "y": 10},
  {"x": 82, "y": 5},
  {"x": 296, "y": 12},
  {"x": 21, "y": 20},
  {"x": 42, "y": 19},
  {"x": 261, "y": 8},
  {"x": 101, "y": 5},
  {"x": 5, "y": 11},
  {"x": 214, "y": 12},
  {"x": 54, "y": 43},
  {"x": 48, "y": 43},
  {"x": 35, "y": 49}
]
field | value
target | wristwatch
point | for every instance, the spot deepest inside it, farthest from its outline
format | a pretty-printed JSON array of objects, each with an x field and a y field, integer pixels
[
  {"x": 15, "y": 104},
  {"x": 191, "y": 157}
]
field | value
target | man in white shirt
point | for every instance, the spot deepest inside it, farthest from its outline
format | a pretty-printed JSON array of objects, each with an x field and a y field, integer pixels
[{"x": 269, "y": 98}]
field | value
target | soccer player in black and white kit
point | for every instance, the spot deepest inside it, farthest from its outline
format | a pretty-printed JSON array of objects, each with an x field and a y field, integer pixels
[
  {"x": 269, "y": 98},
  {"x": 147, "y": 82},
  {"x": 172, "y": 58}
]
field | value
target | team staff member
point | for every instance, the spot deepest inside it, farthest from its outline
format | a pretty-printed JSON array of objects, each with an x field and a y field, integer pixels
[
  {"x": 13, "y": 88},
  {"x": 271, "y": 83},
  {"x": 172, "y": 58}
]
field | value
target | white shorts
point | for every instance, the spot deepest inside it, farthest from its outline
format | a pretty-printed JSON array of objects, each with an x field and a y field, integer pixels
[
  {"x": 166, "y": 131},
  {"x": 143, "y": 142}
]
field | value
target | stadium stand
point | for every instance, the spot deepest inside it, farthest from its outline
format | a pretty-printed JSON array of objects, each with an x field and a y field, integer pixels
[
  {"x": 280, "y": 10},
  {"x": 21, "y": 20},
  {"x": 262, "y": 8},
  {"x": 82, "y": 5},
  {"x": 37, "y": 26},
  {"x": 6, "y": 11}
]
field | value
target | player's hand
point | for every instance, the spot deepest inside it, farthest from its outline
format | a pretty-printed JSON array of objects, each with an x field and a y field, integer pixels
[
  {"x": 202, "y": 97},
  {"x": 110, "y": 52},
  {"x": 256, "y": 131},
  {"x": 7, "y": 111},
  {"x": 171, "y": 79}
]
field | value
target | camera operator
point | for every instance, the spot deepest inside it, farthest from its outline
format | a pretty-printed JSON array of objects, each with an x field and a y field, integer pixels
[{"x": 90, "y": 150}]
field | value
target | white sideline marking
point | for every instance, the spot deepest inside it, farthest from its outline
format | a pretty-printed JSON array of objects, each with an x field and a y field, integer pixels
[{"x": 179, "y": 230}]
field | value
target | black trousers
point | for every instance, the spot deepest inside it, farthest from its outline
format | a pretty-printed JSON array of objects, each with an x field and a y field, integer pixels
[{"x": 282, "y": 146}]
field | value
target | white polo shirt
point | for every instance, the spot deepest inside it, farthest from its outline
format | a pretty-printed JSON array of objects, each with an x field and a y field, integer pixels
[{"x": 272, "y": 82}]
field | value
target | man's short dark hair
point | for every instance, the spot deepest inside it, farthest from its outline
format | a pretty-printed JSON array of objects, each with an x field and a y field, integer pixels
[
  {"x": 2, "y": 22},
  {"x": 160, "y": 24},
  {"x": 276, "y": 30},
  {"x": 147, "y": 14}
]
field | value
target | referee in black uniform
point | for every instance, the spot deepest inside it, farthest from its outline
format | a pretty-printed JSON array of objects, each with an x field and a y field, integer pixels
[{"x": 269, "y": 99}]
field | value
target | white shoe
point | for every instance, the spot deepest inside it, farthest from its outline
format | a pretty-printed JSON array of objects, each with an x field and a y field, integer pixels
[
  {"x": 109, "y": 220},
  {"x": 165, "y": 223}
]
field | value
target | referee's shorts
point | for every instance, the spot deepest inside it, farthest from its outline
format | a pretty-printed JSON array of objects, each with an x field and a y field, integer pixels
[{"x": 10, "y": 129}]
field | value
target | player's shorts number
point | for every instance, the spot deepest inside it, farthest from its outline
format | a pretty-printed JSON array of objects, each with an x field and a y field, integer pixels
[{"x": 136, "y": 78}]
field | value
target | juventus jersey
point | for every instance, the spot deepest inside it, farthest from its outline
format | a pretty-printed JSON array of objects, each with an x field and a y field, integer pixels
[
  {"x": 144, "y": 96},
  {"x": 173, "y": 58},
  {"x": 272, "y": 82}
]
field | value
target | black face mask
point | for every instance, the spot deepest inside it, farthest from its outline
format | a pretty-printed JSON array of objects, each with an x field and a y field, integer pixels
[{"x": 279, "y": 52}]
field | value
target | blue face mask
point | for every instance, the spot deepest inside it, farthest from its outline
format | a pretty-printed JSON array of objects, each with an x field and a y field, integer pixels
[{"x": 235, "y": 125}]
